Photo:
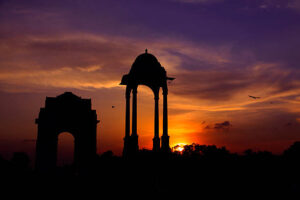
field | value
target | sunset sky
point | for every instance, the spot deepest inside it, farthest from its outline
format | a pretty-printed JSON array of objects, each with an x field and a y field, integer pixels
[{"x": 219, "y": 51}]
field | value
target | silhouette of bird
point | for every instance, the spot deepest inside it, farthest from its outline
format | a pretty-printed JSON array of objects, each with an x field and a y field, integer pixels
[
  {"x": 253, "y": 97},
  {"x": 112, "y": 106}
]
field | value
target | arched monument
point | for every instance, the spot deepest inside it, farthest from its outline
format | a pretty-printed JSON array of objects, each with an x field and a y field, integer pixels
[
  {"x": 66, "y": 113},
  {"x": 146, "y": 70}
]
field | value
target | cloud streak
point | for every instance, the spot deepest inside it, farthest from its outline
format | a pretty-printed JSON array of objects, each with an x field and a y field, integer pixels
[{"x": 85, "y": 60}]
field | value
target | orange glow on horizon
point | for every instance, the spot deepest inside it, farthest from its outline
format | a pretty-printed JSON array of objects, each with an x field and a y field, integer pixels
[{"x": 179, "y": 147}]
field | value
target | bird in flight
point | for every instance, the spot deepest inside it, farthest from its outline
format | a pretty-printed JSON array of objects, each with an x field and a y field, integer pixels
[
  {"x": 253, "y": 97},
  {"x": 112, "y": 106}
]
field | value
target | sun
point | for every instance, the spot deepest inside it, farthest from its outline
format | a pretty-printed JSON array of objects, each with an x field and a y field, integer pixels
[{"x": 178, "y": 147}]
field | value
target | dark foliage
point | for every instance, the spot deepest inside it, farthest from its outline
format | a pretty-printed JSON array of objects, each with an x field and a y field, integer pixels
[{"x": 199, "y": 169}]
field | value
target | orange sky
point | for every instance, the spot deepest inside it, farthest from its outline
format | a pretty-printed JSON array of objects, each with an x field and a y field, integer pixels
[
  {"x": 217, "y": 58},
  {"x": 259, "y": 124}
]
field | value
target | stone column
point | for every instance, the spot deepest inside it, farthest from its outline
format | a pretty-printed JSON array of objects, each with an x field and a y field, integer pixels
[
  {"x": 165, "y": 113},
  {"x": 134, "y": 112},
  {"x": 165, "y": 138},
  {"x": 134, "y": 136},
  {"x": 127, "y": 123},
  {"x": 127, "y": 115},
  {"x": 156, "y": 140}
]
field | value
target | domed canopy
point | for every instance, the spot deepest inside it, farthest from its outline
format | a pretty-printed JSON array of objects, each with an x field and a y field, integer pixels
[
  {"x": 146, "y": 70},
  {"x": 145, "y": 61}
]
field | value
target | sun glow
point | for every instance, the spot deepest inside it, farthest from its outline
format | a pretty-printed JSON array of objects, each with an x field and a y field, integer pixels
[{"x": 178, "y": 147}]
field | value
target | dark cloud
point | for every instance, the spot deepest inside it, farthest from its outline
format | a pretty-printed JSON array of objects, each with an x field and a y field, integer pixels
[
  {"x": 219, "y": 126},
  {"x": 223, "y": 126}
]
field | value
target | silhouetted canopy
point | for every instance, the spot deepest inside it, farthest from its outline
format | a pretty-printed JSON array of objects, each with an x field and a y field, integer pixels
[{"x": 146, "y": 70}]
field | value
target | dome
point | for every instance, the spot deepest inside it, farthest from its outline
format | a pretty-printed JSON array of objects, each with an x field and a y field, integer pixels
[
  {"x": 145, "y": 62},
  {"x": 146, "y": 70}
]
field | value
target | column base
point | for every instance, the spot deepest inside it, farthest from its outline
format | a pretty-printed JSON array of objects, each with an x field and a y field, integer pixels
[
  {"x": 130, "y": 146},
  {"x": 126, "y": 147},
  {"x": 156, "y": 144},
  {"x": 134, "y": 143},
  {"x": 165, "y": 146}
]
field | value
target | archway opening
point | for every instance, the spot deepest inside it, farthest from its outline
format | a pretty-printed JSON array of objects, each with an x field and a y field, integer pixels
[
  {"x": 65, "y": 149},
  {"x": 145, "y": 119}
]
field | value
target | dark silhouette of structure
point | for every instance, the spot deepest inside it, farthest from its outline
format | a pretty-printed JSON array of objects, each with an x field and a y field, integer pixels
[
  {"x": 66, "y": 113},
  {"x": 146, "y": 70}
]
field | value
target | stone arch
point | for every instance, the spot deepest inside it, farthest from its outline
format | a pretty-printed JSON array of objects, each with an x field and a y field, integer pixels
[{"x": 66, "y": 113}]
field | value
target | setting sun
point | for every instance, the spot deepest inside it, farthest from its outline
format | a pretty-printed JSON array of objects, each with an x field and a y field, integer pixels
[{"x": 178, "y": 147}]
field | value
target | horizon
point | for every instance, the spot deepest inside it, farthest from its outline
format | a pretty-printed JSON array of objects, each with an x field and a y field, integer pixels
[{"x": 235, "y": 63}]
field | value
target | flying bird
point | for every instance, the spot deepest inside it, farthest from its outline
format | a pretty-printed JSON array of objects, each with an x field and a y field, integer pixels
[
  {"x": 253, "y": 97},
  {"x": 112, "y": 106}
]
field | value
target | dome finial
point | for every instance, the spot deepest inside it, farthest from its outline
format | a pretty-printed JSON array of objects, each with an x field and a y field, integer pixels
[{"x": 146, "y": 50}]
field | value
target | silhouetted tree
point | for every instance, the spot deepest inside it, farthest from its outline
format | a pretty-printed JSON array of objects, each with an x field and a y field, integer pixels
[
  {"x": 293, "y": 151},
  {"x": 248, "y": 152},
  {"x": 107, "y": 154},
  {"x": 20, "y": 161}
]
